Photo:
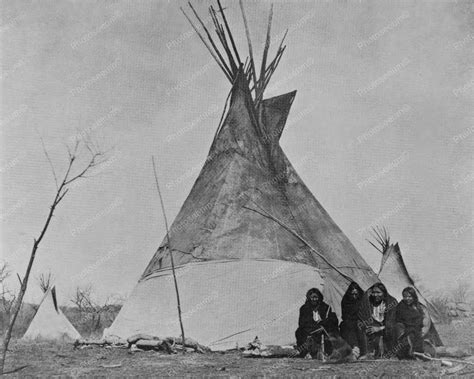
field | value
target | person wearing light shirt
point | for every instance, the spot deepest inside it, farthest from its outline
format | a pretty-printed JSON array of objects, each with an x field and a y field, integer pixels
[{"x": 377, "y": 321}]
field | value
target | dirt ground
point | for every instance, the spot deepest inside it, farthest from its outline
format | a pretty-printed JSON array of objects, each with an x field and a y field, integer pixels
[{"x": 47, "y": 360}]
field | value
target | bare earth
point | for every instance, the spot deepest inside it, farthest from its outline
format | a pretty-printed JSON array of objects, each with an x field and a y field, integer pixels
[{"x": 46, "y": 360}]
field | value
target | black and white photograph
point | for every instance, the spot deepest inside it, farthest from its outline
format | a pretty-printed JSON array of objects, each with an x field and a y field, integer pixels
[{"x": 237, "y": 188}]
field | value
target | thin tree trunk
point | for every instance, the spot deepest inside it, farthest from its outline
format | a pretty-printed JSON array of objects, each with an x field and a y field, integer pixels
[
  {"x": 61, "y": 191},
  {"x": 24, "y": 282}
]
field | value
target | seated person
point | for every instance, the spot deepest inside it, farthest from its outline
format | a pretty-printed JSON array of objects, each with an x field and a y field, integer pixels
[
  {"x": 316, "y": 318},
  {"x": 409, "y": 324},
  {"x": 377, "y": 321},
  {"x": 349, "y": 327}
]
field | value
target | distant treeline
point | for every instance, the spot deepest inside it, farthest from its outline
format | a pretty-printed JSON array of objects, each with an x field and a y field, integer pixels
[{"x": 88, "y": 324}]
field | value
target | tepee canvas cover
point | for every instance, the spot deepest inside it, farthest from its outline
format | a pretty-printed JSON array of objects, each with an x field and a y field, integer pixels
[
  {"x": 250, "y": 239},
  {"x": 394, "y": 274},
  {"x": 49, "y": 321},
  {"x": 241, "y": 274}
]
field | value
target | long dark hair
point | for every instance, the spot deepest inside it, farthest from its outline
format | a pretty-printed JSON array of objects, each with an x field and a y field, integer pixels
[
  {"x": 381, "y": 287},
  {"x": 317, "y": 292},
  {"x": 351, "y": 287},
  {"x": 412, "y": 292}
]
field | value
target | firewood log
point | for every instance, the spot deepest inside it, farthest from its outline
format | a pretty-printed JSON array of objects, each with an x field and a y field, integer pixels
[{"x": 140, "y": 336}]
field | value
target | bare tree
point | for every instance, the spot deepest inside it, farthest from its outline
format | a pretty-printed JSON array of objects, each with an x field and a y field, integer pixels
[
  {"x": 83, "y": 299},
  {"x": 74, "y": 171},
  {"x": 4, "y": 272},
  {"x": 45, "y": 281},
  {"x": 91, "y": 310},
  {"x": 7, "y": 297},
  {"x": 459, "y": 293}
]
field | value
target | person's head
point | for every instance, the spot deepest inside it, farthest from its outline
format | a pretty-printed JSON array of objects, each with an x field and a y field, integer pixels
[
  {"x": 409, "y": 296},
  {"x": 354, "y": 291},
  {"x": 378, "y": 293},
  {"x": 314, "y": 297}
]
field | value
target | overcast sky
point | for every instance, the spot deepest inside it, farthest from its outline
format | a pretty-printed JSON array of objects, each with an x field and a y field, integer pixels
[{"x": 381, "y": 130}]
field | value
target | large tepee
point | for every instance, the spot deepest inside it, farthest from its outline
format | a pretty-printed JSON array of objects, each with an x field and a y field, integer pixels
[
  {"x": 49, "y": 322},
  {"x": 250, "y": 239}
]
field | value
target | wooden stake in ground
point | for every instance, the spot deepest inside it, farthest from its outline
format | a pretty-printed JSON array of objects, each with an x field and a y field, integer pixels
[{"x": 171, "y": 253}]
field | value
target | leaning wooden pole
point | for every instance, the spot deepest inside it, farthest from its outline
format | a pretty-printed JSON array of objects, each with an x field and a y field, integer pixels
[
  {"x": 282, "y": 224},
  {"x": 171, "y": 255},
  {"x": 265, "y": 54},
  {"x": 249, "y": 42},
  {"x": 229, "y": 33},
  {"x": 209, "y": 48},
  {"x": 211, "y": 40}
]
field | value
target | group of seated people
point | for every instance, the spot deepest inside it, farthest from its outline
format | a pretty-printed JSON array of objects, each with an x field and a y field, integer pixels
[{"x": 373, "y": 323}]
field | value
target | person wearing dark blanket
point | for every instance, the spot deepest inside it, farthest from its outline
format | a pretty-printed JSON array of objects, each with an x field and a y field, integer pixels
[
  {"x": 314, "y": 314},
  {"x": 377, "y": 321},
  {"x": 349, "y": 327},
  {"x": 409, "y": 324}
]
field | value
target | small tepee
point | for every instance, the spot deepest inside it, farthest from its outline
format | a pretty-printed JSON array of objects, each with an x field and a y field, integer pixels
[
  {"x": 49, "y": 322},
  {"x": 394, "y": 274}
]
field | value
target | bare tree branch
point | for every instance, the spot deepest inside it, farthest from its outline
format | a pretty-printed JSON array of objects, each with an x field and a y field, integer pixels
[
  {"x": 50, "y": 162},
  {"x": 61, "y": 192},
  {"x": 45, "y": 281},
  {"x": 92, "y": 311},
  {"x": 7, "y": 297},
  {"x": 5, "y": 272},
  {"x": 93, "y": 162}
]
